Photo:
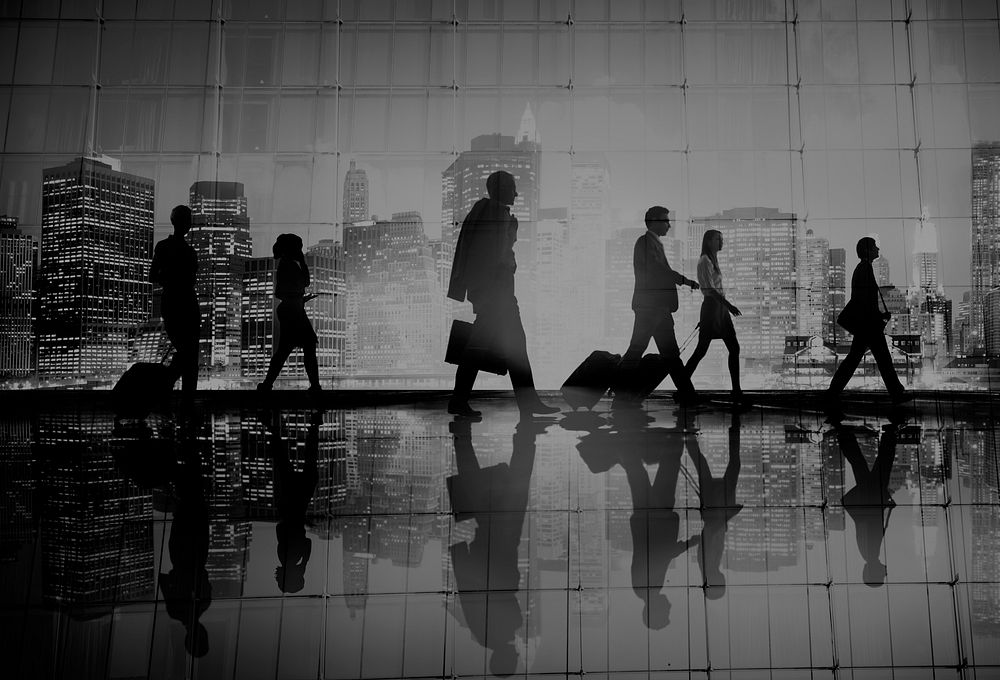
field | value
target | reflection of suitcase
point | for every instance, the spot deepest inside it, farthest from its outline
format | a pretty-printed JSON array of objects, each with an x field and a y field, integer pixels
[
  {"x": 587, "y": 384},
  {"x": 141, "y": 387}
]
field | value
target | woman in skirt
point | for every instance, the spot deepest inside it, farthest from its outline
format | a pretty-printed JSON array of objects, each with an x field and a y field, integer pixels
[
  {"x": 291, "y": 278},
  {"x": 716, "y": 311}
]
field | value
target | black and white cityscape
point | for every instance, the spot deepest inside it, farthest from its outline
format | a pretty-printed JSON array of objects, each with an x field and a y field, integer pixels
[{"x": 368, "y": 128}]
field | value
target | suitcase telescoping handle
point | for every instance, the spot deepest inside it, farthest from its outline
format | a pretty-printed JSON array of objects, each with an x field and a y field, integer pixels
[{"x": 690, "y": 336}]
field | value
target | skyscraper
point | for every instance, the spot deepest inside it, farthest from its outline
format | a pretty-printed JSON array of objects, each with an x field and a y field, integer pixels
[
  {"x": 837, "y": 292},
  {"x": 813, "y": 284},
  {"x": 220, "y": 234},
  {"x": 985, "y": 238},
  {"x": 758, "y": 269},
  {"x": 464, "y": 181},
  {"x": 17, "y": 272},
  {"x": 356, "y": 195},
  {"x": 880, "y": 265},
  {"x": 396, "y": 319},
  {"x": 97, "y": 243}
]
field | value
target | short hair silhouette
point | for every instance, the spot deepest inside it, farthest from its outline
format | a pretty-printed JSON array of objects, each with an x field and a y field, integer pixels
[
  {"x": 873, "y": 574},
  {"x": 496, "y": 180},
  {"x": 286, "y": 245},
  {"x": 196, "y": 640},
  {"x": 656, "y": 213},
  {"x": 180, "y": 216},
  {"x": 503, "y": 662},
  {"x": 656, "y": 611},
  {"x": 865, "y": 244}
]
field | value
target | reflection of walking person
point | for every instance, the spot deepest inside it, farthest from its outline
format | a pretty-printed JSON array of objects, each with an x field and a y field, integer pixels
[
  {"x": 486, "y": 569},
  {"x": 174, "y": 268},
  {"x": 718, "y": 506},
  {"x": 186, "y": 590},
  {"x": 292, "y": 493},
  {"x": 716, "y": 311},
  {"x": 291, "y": 278},
  {"x": 863, "y": 317},
  {"x": 654, "y": 301},
  {"x": 867, "y": 502},
  {"x": 483, "y": 272}
]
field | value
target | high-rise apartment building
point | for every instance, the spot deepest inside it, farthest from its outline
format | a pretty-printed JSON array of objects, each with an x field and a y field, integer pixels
[
  {"x": 17, "y": 271},
  {"x": 880, "y": 265},
  {"x": 356, "y": 201},
  {"x": 585, "y": 255},
  {"x": 837, "y": 295},
  {"x": 759, "y": 274},
  {"x": 619, "y": 281},
  {"x": 220, "y": 234},
  {"x": 985, "y": 239},
  {"x": 464, "y": 181},
  {"x": 94, "y": 290},
  {"x": 813, "y": 294}
]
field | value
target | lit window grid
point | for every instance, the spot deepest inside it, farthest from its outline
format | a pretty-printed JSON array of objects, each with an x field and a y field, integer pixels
[{"x": 603, "y": 27}]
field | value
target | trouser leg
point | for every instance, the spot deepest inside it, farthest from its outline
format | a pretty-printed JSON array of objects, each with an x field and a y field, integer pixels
[
  {"x": 642, "y": 331},
  {"x": 666, "y": 343},
  {"x": 278, "y": 358},
  {"x": 883, "y": 359},
  {"x": 848, "y": 365},
  {"x": 465, "y": 378}
]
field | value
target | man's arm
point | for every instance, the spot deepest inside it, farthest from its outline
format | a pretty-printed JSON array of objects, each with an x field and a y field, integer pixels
[{"x": 156, "y": 267}]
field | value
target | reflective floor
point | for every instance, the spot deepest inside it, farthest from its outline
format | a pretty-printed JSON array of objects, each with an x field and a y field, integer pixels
[{"x": 397, "y": 542}]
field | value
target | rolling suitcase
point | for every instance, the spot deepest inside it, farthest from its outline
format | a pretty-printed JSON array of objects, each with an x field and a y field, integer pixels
[
  {"x": 639, "y": 383},
  {"x": 587, "y": 384},
  {"x": 141, "y": 387}
]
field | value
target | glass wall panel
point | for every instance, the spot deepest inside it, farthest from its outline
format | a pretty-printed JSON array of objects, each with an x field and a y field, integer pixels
[{"x": 836, "y": 116}]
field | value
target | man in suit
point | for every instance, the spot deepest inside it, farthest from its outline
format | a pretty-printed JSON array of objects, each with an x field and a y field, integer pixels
[
  {"x": 654, "y": 301},
  {"x": 483, "y": 273}
]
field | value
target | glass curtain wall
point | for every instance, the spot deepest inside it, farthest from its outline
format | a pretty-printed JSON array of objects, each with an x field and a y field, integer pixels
[{"x": 795, "y": 127}]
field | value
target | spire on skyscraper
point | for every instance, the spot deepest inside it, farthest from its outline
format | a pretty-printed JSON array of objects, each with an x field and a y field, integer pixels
[{"x": 528, "y": 132}]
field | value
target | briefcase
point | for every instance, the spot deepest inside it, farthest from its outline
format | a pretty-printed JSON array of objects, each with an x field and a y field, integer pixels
[{"x": 472, "y": 346}]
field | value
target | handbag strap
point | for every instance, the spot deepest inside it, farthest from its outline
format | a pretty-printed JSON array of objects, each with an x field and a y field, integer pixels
[{"x": 884, "y": 306}]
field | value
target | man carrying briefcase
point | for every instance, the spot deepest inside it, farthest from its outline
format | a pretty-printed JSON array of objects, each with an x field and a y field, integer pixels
[{"x": 483, "y": 273}]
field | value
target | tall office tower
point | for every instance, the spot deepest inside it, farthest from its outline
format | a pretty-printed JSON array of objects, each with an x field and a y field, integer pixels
[
  {"x": 925, "y": 255},
  {"x": 880, "y": 265},
  {"x": 619, "y": 281},
  {"x": 17, "y": 271},
  {"x": 220, "y": 234},
  {"x": 356, "y": 195},
  {"x": 464, "y": 181},
  {"x": 991, "y": 322},
  {"x": 96, "y": 525},
  {"x": 961, "y": 334},
  {"x": 326, "y": 312},
  {"x": 985, "y": 264},
  {"x": 17, "y": 478},
  {"x": 257, "y": 316},
  {"x": 585, "y": 245},
  {"x": 813, "y": 292},
  {"x": 443, "y": 254},
  {"x": 398, "y": 313},
  {"x": 837, "y": 292},
  {"x": 97, "y": 243},
  {"x": 551, "y": 344},
  {"x": 758, "y": 271}
]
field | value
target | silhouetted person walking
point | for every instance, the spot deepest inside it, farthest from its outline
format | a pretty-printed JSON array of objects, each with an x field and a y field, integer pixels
[
  {"x": 870, "y": 502},
  {"x": 867, "y": 322},
  {"x": 174, "y": 268},
  {"x": 293, "y": 329},
  {"x": 483, "y": 273},
  {"x": 292, "y": 493},
  {"x": 718, "y": 506},
  {"x": 654, "y": 301},
  {"x": 186, "y": 590},
  {"x": 486, "y": 571},
  {"x": 716, "y": 311}
]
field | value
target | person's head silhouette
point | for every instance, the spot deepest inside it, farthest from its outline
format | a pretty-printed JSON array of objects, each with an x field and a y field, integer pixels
[
  {"x": 287, "y": 245},
  {"x": 180, "y": 217},
  {"x": 873, "y": 574},
  {"x": 501, "y": 187},
  {"x": 656, "y": 611},
  {"x": 658, "y": 220},
  {"x": 867, "y": 249},
  {"x": 503, "y": 662},
  {"x": 196, "y": 640}
]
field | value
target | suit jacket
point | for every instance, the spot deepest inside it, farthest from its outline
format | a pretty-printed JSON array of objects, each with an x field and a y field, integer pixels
[
  {"x": 655, "y": 282},
  {"x": 484, "y": 264}
]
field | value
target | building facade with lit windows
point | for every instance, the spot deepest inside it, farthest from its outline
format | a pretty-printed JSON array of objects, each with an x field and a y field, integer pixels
[
  {"x": 18, "y": 253},
  {"x": 984, "y": 265},
  {"x": 220, "y": 235},
  {"x": 97, "y": 243}
]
